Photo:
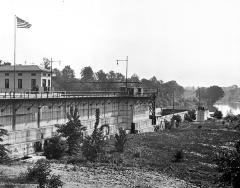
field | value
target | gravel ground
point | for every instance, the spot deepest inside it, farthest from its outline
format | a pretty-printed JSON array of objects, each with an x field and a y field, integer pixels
[{"x": 103, "y": 176}]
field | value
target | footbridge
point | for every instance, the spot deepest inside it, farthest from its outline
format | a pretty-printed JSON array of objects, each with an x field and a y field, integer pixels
[{"x": 30, "y": 117}]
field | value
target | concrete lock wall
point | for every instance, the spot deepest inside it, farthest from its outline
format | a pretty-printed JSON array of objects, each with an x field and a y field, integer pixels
[{"x": 30, "y": 123}]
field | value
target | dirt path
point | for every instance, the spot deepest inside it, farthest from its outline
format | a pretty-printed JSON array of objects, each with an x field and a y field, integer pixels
[{"x": 103, "y": 176}]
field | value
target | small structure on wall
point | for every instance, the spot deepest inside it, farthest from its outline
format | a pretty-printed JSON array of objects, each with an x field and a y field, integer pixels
[
  {"x": 27, "y": 78},
  {"x": 202, "y": 114}
]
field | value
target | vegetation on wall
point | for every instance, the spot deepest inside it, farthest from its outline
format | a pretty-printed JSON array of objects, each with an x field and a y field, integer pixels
[
  {"x": 72, "y": 131},
  {"x": 3, "y": 150},
  {"x": 93, "y": 144}
]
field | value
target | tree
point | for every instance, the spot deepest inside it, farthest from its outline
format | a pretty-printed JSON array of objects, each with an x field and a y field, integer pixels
[
  {"x": 87, "y": 74},
  {"x": 218, "y": 114},
  {"x": 214, "y": 94},
  {"x": 102, "y": 78},
  {"x": 209, "y": 95},
  {"x": 111, "y": 76},
  {"x": 72, "y": 131},
  {"x": 120, "y": 140},
  {"x": 134, "y": 78},
  {"x": 68, "y": 73},
  {"x": 56, "y": 73},
  {"x": 54, "y": 148},
  {"x": 93, "y": 145},
  {"x": 120, "y": 77},
  {"x": 46, "y": 63},
  {"x": 3, "y": 150}
]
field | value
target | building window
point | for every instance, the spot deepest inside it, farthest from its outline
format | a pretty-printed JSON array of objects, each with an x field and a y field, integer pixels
[
  {"x": 6, "y": 74},
  {"x": 33, "y": 84},
  {"x": 7, "y": 83},
  {"x": 19, "y": 83},
  {"x": 44, "y": 74},
  {"x": 49, "y": 75},
  {"x": 33, "y": 74},
  {"x": 49, "y": 85},
  {"x": 44, "y": 83},
  {"x": 20, "y": 74}
]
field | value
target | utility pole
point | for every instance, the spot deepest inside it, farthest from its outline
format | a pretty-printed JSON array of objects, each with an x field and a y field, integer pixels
[
  {"x": 173, "y": 99},
  {"x": 51, "y": 61},
  {"x": 125, "y": 60}
]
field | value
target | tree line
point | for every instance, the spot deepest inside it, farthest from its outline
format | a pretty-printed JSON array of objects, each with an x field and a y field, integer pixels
[
  {"x": 169, "y": 94},
  {"x": 112, "y": 81}
]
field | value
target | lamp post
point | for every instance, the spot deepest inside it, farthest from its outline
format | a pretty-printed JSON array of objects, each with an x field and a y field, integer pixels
[
  {"x": 125, "y": 60},
  {"x": 52, "y": 70},
  {"x": 51, "y": 61}
]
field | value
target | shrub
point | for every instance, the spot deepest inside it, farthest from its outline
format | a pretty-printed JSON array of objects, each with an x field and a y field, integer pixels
[
  {"x": 177, "y": 118},
  {"x": 228, "y": 162},
  {"x": 167, "y": 124},
  {"x": 54, "y": 148},
  {"x": 72, "y": 131},
  {"x": 218, "y": 114},
  {"x": 178, "y": 156},
  {"x": 55, "y": 182},
  {"x": 190, "y": 116},
  {"x": 120, "y": 140},
  {"x": 93, "y": 145},
  {"x": 3, "y": 150},
  {"x": 41, "y": 174}
]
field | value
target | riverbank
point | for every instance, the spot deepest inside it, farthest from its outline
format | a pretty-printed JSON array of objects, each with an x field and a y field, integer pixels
[{"x": 148, "y": 160}]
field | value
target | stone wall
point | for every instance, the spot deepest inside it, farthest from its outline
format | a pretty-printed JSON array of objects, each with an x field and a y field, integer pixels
[{"x": 30, "y": 124}]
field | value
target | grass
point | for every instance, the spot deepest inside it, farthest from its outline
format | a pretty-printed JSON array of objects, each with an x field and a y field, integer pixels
[{"x": 199, "y": 146}]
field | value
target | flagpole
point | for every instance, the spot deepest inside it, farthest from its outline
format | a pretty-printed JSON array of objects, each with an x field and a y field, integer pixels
[{"x": 14, "y": 59}]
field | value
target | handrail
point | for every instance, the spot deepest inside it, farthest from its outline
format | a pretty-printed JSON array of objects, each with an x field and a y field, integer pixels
[{"x": 65, "y": 94}]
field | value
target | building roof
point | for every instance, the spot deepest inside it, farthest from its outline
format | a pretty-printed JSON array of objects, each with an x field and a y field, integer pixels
[{"x": 23, "y": 68}]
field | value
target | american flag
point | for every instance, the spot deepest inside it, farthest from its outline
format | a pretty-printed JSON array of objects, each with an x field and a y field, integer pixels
[{"x": 22, "y": 24}]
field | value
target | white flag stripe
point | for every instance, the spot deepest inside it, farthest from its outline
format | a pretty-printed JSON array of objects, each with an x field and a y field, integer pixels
[{"x": 23, "y": 24}]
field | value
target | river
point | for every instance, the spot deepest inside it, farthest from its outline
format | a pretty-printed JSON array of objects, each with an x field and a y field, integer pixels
[{"x": 225, "y": 108}]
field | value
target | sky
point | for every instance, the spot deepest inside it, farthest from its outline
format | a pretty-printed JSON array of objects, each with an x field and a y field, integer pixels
[{"x": 196, "y": 43}]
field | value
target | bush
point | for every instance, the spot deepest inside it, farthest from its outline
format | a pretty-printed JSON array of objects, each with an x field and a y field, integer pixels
[
  {"x": 177, "y": 118},
  {"x": 93, "y": 145},
  {"x": 41, "y": 173},
  {"x": 3, "y": 150},
  {"x": 120, "y": 140},
  {"x": 218, "y": 114},
  {"x": 178, "y": 156},
  {"x": 72, "y": 131},
  {"x": 55, "y": 182},
  {"x": 54, "y": 148},
  {"x": 228, "y": 162},
  {"x": 190, "y": 116},
  {"x": 167, "y": 124}
]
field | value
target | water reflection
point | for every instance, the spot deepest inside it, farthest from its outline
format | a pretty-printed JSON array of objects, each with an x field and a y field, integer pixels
[{"x": 226, "y": 108}]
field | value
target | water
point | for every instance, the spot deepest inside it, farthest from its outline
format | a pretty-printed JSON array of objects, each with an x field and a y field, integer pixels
[{"x": 226, "y": 108}]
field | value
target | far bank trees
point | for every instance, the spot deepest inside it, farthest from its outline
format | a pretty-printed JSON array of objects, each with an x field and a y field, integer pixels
[{"x": 210, "y": 95}]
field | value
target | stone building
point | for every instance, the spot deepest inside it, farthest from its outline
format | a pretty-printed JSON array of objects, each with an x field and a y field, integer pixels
[{"x": 27, "y": 78}]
